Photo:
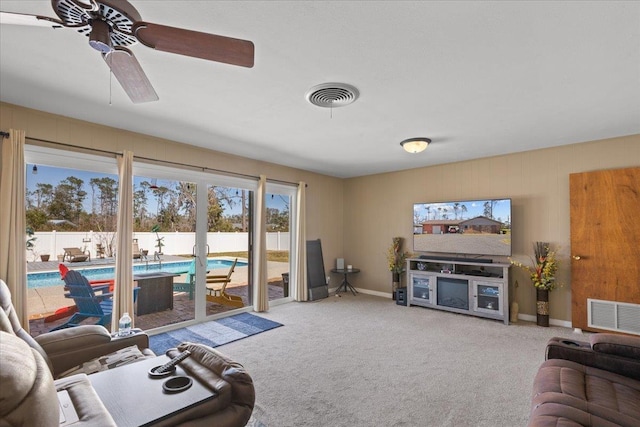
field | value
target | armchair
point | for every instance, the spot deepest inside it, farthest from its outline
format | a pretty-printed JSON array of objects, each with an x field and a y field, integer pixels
[
  {"x": 31, "y": 397},
  {"x": 30, "y": 368},
  {"x": 68, "y": 348},
  {"x": 595, "y": 383}
]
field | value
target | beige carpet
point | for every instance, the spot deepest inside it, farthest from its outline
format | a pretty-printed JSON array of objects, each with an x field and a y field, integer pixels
[{"x": 365, "y": 361}]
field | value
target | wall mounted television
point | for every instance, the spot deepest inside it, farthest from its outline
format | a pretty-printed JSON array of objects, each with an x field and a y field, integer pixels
[{"x": 463, "y": 227}]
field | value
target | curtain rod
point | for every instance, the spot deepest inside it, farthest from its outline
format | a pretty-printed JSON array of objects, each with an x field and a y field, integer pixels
[{"x": 199, "y": 168}]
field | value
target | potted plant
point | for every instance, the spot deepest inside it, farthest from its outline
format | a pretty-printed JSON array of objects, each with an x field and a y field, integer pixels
[
  {"x": 396, "y": 259},
  {"x": 44, "y": 257},
  {"x": 543, "y": 276}
]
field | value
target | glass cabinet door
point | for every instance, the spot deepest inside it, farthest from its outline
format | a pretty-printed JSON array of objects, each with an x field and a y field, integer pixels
[
  {"x": 488, "y": 297},
  {"x": 420, "y": 287}
]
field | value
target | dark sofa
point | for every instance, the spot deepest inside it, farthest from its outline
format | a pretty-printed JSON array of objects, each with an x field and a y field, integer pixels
[{"x": 595, "y": 383}]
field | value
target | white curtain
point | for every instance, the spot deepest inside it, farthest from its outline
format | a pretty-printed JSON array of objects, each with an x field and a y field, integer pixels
[
  {"x": 13, "y": 247},
  {"x": 301, "y": 290},
  {"x": 260, "y": 287},
  {"x": 123, "y": 290}
]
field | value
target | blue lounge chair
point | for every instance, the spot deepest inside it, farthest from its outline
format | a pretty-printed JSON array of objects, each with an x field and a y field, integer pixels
[
  {"x": 190, "y": 285},
  {"x": 91, "y": 301}
]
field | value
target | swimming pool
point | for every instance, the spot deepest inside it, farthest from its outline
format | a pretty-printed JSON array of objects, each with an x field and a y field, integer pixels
[{"x": 52, "y": 278}]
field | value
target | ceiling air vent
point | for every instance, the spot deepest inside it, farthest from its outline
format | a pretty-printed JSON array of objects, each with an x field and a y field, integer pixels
[{"x": 332, "y": 95}]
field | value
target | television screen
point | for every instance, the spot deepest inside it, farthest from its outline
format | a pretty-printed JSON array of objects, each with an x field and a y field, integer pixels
[{"x": 469, "y": 227}]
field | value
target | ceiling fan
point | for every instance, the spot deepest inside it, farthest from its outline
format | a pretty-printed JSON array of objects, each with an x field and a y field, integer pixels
[{"x": 113, "y": 25}]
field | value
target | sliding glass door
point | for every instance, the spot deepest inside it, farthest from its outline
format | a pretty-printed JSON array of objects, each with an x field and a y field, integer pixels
[
  {"x": 192, "y": 237},
  {"x": 164, "y": 241},
  {"x": 71, "y": 210},
  {"x": 279, "y": 201}
]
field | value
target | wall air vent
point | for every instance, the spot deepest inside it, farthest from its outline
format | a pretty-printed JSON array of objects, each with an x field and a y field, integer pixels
[
  {"x": 332, "y": 95},
  {"x": 613, "y": 316}
]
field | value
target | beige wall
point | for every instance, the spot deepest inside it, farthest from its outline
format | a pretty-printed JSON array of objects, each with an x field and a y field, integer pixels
[
  {"x": 356, "y": 218},
  {"x": 324, "y": 193},
  {"x": 379, "y": 207}
]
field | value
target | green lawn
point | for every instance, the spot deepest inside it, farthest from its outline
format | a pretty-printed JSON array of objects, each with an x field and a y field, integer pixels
[{"x": 278, "y": 256}]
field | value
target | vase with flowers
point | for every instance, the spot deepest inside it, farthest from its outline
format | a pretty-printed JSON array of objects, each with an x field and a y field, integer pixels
[
  {"x": 396, "y": 258},
  {"x": 543, "y": 276}
]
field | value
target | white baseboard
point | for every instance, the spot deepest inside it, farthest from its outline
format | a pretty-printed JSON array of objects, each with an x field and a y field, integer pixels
[
  {"x": 554, "y": 322},
  {"x": 525, "y": 317}
]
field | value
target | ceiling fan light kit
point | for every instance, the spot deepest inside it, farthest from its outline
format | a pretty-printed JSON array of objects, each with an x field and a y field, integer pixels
[
  {"x": 415, "y": 145},
  {"x": 99, "y": 38},
  {"x": 112, "y": 26}
]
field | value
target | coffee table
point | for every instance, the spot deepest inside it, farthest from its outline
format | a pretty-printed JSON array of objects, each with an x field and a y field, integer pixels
[{"x": 134, "y": 399}]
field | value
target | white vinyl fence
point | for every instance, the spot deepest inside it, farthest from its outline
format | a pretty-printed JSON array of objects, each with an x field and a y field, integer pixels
[{"x": 177, "y": 243}]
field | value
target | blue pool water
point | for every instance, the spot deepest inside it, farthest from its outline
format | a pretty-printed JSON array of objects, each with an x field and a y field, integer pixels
[{"x": 52, "y": 278}]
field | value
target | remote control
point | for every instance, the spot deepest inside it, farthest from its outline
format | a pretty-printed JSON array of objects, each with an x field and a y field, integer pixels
[{"x": 173, "y": 362}]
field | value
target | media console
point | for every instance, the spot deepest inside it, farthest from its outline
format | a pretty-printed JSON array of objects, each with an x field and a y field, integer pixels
[{"x": 468, "y": 287}]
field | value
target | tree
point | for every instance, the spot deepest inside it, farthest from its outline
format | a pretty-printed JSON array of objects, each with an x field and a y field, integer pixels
[
  {"x": 160, "y": 193},
  {"x": 140, "y": 200},
  {"x": 488, "y": 208},
  {"x": 277, "y": 220},
  {"x": 216, "y": 221},
  {"x": 67, "y": 200},
  {"x": 36, "y": 219},
  {"x": 40, "y": 198},
  {"x": 104, "y": 203},
  {"x": 456, "y": 206},
  {"x": 186, "y": 203}
]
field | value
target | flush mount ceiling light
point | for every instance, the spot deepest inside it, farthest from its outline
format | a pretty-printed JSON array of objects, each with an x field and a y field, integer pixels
[
  {"x": 332, "y": 95},
  {"x": 415, "y": 145}
]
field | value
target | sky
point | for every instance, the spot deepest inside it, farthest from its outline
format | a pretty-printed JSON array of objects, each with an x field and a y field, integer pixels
[
  {"x": 501, "y": 210},
  {"x": 54, "y": 175}
]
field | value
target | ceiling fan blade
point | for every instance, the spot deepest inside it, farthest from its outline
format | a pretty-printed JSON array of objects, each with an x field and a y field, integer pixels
[
  {"x": 32, "y": 20},
  {"x": 129, "y": 73},
  {"x": 194, "y": 43}
]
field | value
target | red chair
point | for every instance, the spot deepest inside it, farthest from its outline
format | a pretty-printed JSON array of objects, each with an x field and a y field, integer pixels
[{"x": 101, "y": 282}]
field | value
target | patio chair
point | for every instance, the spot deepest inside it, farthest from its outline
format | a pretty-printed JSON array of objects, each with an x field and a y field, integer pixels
[
  {"x": 76, "y": 255},
  {"x": 92, "y": 302},
  {"x": 216, "y": 288},
  {"x": 188, "y": 286},
  {"x": 69, "y": 310},
  {"x": 137, "y": 253},
  {"x": 99, "y": 282}
]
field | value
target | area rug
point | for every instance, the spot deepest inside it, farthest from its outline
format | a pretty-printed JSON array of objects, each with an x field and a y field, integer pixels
[{"x": 214, "y": 333}]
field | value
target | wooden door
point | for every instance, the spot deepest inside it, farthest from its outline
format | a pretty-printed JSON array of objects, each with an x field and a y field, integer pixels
[{"x": 605, "y": 239}]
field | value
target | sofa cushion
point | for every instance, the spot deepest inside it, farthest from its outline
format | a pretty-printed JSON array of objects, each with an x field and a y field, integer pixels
[
  {"x": 620, "y": 345},
  {"x": 588, "y": 396},
  {"x": 26, "y": 383},
  {"x": 10, "y": 323}
]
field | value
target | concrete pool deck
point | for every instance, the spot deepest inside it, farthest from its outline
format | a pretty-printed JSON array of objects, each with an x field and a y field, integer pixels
[{"x": 46, "y": 300}]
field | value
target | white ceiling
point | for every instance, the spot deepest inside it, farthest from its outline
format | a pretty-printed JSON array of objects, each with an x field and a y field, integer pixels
[{"x": 478, "y": 78}]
